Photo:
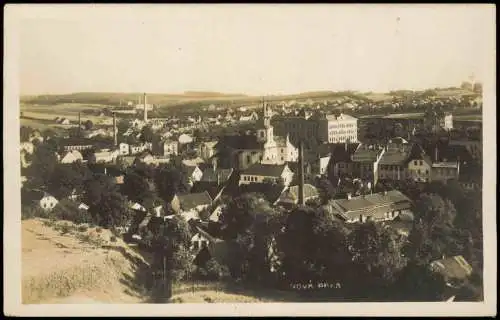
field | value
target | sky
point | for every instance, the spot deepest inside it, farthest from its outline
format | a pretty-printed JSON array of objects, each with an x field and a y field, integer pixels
[{"x": 251, "y": 49}]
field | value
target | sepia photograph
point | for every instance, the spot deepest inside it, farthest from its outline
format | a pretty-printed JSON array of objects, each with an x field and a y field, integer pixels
[{"x": 272, "y": 159}]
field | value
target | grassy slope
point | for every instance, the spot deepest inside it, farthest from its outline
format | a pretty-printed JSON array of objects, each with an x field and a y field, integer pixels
[{"x": 79, "y": 266}]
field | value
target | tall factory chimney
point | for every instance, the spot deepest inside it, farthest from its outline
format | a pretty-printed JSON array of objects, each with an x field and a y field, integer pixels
[
  {"x": 115, "y": 137},
  {"x": 79, "y": 124},
  {"x": 301, "y": 173},
  {"x": 145, "y": 108}
]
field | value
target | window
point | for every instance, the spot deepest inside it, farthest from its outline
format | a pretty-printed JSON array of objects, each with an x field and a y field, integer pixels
[
  {"x": 415, "y": 162},
  {"x": 421, "y": 162},
  {"x": 196, "y": 245}
]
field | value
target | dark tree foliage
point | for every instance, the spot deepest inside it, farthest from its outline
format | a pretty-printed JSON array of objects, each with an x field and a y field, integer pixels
[
  {"x": 416, "y": 282},
  {"x": 25, "y": 133},
  {"x": 106, "y": 205},
  {"x": 169, "y": 181},
  {"x": 43, "y": 165},
  {"x": 315, "y": 247},
  {"x": 147, "y": 134},
  {"x": 88, "y": 125}
]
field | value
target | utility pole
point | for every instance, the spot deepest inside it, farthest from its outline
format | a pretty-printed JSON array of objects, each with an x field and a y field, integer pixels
[{"x": 301, "y": 173}]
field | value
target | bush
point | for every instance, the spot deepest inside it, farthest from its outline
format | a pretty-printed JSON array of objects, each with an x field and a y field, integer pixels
[
  {"x": 82, "y": 228},
  {"x": 213, "y": 271},
  {"x": 68, "y": 210},
  {"x": 113, "y": 239},
  {"x": 65, "y": 228}
]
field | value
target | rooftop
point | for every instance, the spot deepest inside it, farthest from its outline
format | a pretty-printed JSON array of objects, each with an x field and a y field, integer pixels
[
  {"x": 266, "y": 170},
  {"x": 452, "y": 268},
  {"x": 191, "y": 200},
  {"x": 373, "y": 204}
]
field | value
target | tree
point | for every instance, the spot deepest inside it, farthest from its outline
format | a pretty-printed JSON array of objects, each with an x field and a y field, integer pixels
[
  {"x": 376, "y": 252},
  {"x": 69, "y": 210},
  {"x": 137, "y": 187},
  {"x": 249, "y": 224},
  {"x": 107, "y": 206},
  {"x": 67, "y": 178},
  {"x": 169, "y": 181},
  {"x": 147, "y": 134},
  {"x": 170, "y": 243},
  {"x": 25, "y": 133},
  {"x": 43, "y": 165},
  {"x": 416, "y": 282},
  {"x": 326, "y": 189},
  {"x": 88, "y": 125},
  {"x": 314, "y": 247},
  {"x": 433, "y": 233}
]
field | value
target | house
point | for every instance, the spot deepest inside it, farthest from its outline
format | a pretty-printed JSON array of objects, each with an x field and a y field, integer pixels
[
  {"x": 259, "y": 173},
  {"x": 184, "y": 139},
  {"x": 191, "y": 204},
  {"x": 207, "y": 150},
  {"x": 80, "y": 147},
  {"x": 138, "y": 148},
  {"x": 249, "y": 117},
  {"x": 103, "y": 156},
  {"x": 47, "y": 202},
  {"x": 27, "y": 147},
  {"x": 71, "y": 157},
  {"x": 126, "y": 161},
  {"x": 239, "y": 151},
  {"x": 455, "y": 270},
  {"x": 393, "y": 164},
  {"x": 419, "y": 165},
  {"x": 341, "y": 155},
  {"x": 64, "y": 121},
  {"x": 36, "y": 136},
  {"x": 216, "y": 175},
  {"x": 169, "y": 147},
  {"x": 384, "y": 206},
  {"x": 444, "y": 171},
  {"x": 290, "y": 195},
  {"x": 193, "y": 162},
  {"x": 193, "y": 173},
  {"x": 215, "y": 215},
  {"x": 149, "y": 159},
  {"x": 124, "y": 148}
]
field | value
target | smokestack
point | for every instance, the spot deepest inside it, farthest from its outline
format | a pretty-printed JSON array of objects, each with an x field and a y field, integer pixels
[
  {"x": 145, "y": 108},
  {"x": 436, "y": 159},
  {"x": 79, "y": 124},
  {"x": 301, "y": 173},
  {"x": 115, "y": 137}
]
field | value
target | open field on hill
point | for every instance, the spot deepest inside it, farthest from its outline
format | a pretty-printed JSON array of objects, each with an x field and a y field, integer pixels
[{"x": 65, "y": 263}]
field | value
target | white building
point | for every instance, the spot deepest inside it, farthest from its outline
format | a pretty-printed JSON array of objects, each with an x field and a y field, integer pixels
[
  {"x": 124, "y": 148},
  {"x": 259, "y": 173},
  {"x": 72, "y": 156}
]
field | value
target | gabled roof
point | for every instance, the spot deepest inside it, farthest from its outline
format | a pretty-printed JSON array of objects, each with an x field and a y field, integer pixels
[
  {"x": 292, "y": 193},
  {"x": 207, "y": 186},
  {"x": 339, "y": 152},
  {"x": 191, "y": 200},
  {"x": 240, "y": 142},
  {"x": 189, "y": 170},
  {"x": 452, "y": 268},
  {"x": 396, "y": 155},
  {"x": 265, "y": 170},
  {"x": 366, "y": 153},
  {"x": 374, "y": 205},
  {"x": 217, "y": 175}
]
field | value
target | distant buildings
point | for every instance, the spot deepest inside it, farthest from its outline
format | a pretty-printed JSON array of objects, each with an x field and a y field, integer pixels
[{"x": 318, "y": 128}]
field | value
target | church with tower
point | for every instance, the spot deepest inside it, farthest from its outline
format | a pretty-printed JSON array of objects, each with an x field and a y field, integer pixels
[{"x": 261, "y": 147}]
